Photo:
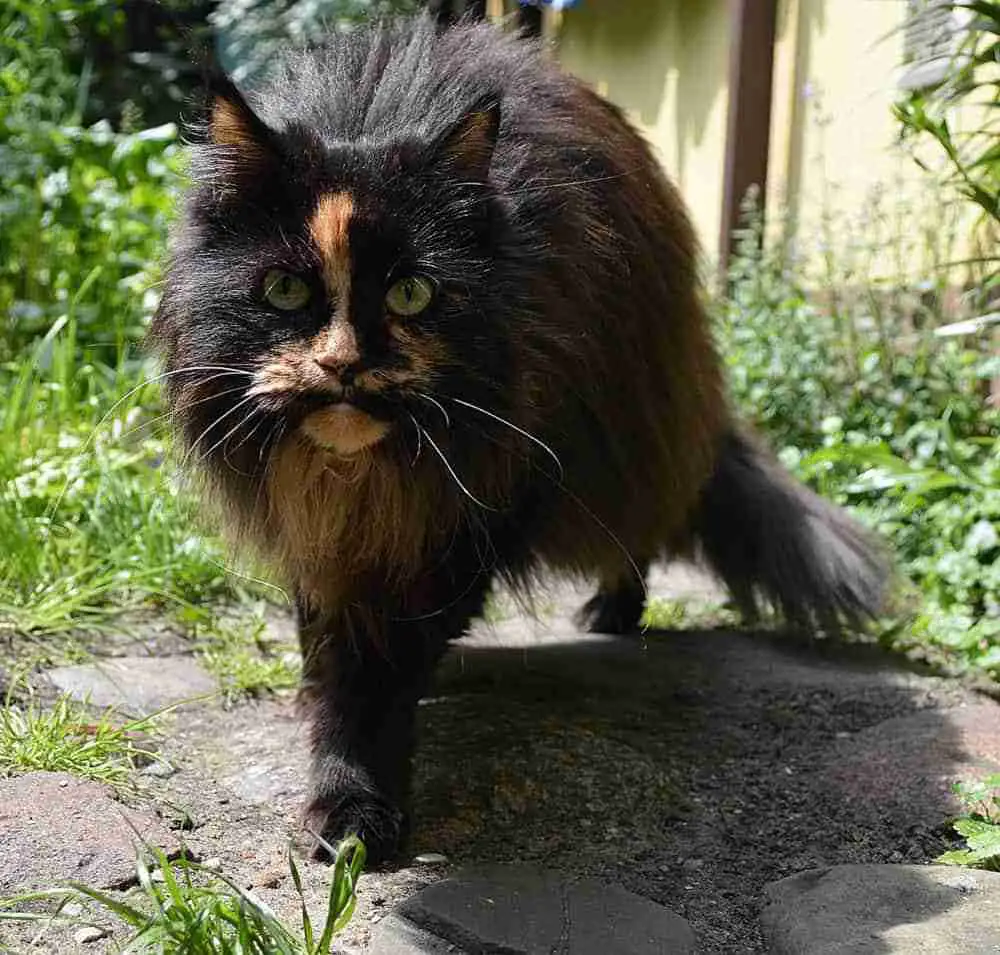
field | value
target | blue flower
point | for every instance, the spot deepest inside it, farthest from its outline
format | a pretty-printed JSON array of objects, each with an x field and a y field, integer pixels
[{"x": 555, "y": 4}]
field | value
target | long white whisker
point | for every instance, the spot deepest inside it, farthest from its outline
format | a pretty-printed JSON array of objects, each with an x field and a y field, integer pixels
[
  {"x": 438, "y": 405},
  {"x": 54, "y": 506},
  {"x": 239, "y": 424},
  {"x": 472, "y": 497},
  {"x": 248, "y": 435},
  {"x": 273, "y": 437},
  {"x": 420, "y": 442},
  {"x": 190, "y": 404},
  {"x": 216, "y": 421},
  {"x": 223, "y": 369},
  {"x": 513, "y": 427},
  {"x": 612, "y": 536}
]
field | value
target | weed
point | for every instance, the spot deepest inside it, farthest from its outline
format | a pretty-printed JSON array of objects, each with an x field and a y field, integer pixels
[
  {"x": 242, "y": 658},
  {"x": 69, "y": 738},
  {"x": 180, "y": 908},
  {"x": 885, "y": 417}
]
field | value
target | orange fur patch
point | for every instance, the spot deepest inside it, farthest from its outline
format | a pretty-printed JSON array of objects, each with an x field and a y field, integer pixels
[
  {"x": 329, "y": 230},
  {"x": 344, "y": 429},
  {"x": 334, "y": 520},
  {"x": 425, "y": 355},
  {"x": 229, "y": 127}
]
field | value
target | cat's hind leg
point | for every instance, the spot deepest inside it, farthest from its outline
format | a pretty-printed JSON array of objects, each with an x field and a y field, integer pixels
[{"x": 618, "y": 604}]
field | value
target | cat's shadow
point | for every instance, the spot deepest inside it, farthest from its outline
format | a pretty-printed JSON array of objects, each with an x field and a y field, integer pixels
[{"x": 626, "y": 756}]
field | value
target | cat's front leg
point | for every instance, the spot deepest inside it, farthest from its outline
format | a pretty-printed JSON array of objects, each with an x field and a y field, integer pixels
[{"x": 364, "y": 674}]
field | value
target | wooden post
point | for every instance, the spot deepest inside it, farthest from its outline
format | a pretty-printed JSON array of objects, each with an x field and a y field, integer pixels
[{"x": 751, "y": 69}]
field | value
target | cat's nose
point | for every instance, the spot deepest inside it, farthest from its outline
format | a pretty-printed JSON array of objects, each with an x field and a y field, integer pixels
[
  {"x": 338, "y": 351},
  {"x": 336, "y": 364}
]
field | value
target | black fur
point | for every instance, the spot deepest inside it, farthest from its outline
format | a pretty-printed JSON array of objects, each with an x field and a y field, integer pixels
[{"x": 770, "y": 538}]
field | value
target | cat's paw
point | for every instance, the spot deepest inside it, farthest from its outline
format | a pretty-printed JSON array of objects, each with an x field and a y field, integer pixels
[
  {"x": 379, "y": 824},
  {"x": 615, "y": 612}
]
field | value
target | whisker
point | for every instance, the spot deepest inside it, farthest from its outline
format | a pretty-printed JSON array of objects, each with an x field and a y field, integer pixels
[
  {"x": 579, "y": 503},
  {"x": 273, "y": 437},
  {"x": 437, "y": 404},
  {"x": 173, "y": 411},
  {"x": 420, "y": 443},
  {"x": 222, "y": 369},
  {"x": 472, "y": 497},
  {"x": 611, "y": 534},
  {"x": 239, "y": 424},
  {"x": 248, "y": 435},
  {"x": 514, "y": 427},
  {"x": 226, "y": 451},
  {"x": 216, "y": 421},
  {"x": 54, "y": 506}
]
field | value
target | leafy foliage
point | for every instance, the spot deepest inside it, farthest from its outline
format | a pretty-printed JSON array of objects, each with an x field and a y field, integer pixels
[
  {"x": 126, "y": 61},
  {"x": 92, "y": 522},
  {"x": 254, "y": 31},
  {"x": 972, "y": 154},
  {"x": 980, "y": 826},
  {"x": 239, "y": 654},
  {"x": 865, "y": 402}
]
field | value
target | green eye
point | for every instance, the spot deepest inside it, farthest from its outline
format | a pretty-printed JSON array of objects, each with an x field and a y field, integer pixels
[
  {"x": 410, "y": 295},
  {"x": 285, "y": 291}
]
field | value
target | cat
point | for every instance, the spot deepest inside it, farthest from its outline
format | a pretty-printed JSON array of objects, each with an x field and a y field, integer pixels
[{"x": 432, "y": 319}]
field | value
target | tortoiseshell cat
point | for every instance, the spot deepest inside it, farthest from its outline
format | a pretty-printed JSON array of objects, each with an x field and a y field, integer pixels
[{"x": 431, "y": 319}]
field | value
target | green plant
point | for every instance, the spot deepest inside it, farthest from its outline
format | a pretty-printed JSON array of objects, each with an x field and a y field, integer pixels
[
  {"x": 69, "y": 738},
  {"x": 865, "y": 402},
  {"x": 979, "y": 825},
  {"x": 93, "y": 520},
  {"x": 972, "y": 154},
  {"x": 253, "y": 32},
  {"x": 188, "y": 910},
  {"x": 687, "y": 613},
  {"x": 241, "y": 657}
]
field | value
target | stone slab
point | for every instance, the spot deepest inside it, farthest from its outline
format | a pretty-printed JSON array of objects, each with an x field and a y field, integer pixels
[
  {"x": 136, "y": 685},
  {"x": 518, "y": 909},
  {"x": 884, "y": 910},
  {"x": 55, "y": 827}
]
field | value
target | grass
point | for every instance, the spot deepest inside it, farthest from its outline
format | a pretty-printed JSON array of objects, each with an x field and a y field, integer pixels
[
  {"x": 241, "y": 656},
  {"x": 180, "y": 908},
  {"x": 676, "y": 614},
  {"x": 94, "y": 521},
  {"x": 69, "y": 738}
]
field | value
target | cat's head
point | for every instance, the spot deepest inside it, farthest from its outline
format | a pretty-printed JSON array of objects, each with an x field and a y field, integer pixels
[{"x": 336, "y": 290}]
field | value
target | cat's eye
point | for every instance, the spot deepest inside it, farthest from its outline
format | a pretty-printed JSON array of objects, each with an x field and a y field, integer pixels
[
  {"x": 285, "y": 291},
  {"x": 410, "y": 295}
]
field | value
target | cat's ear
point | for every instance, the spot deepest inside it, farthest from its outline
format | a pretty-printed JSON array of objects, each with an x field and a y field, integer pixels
[
  {"x": 467, "y": 146},
  {"x": 250, "y": 145}
]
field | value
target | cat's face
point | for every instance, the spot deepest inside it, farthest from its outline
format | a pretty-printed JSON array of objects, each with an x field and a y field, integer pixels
[{"x": 342, "y": 284}]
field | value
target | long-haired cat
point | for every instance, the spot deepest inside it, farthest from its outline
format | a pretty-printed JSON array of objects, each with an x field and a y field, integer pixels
[{"x": 432, "y": 319}]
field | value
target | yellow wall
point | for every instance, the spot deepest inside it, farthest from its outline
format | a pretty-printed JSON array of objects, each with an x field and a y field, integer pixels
[
  {"x": 841, "y": 88},
  {"x": 665, "y": 62}
]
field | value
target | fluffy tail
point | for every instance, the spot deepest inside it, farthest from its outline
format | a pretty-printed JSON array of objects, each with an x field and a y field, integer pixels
[{"x": 770, "y": 538}]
